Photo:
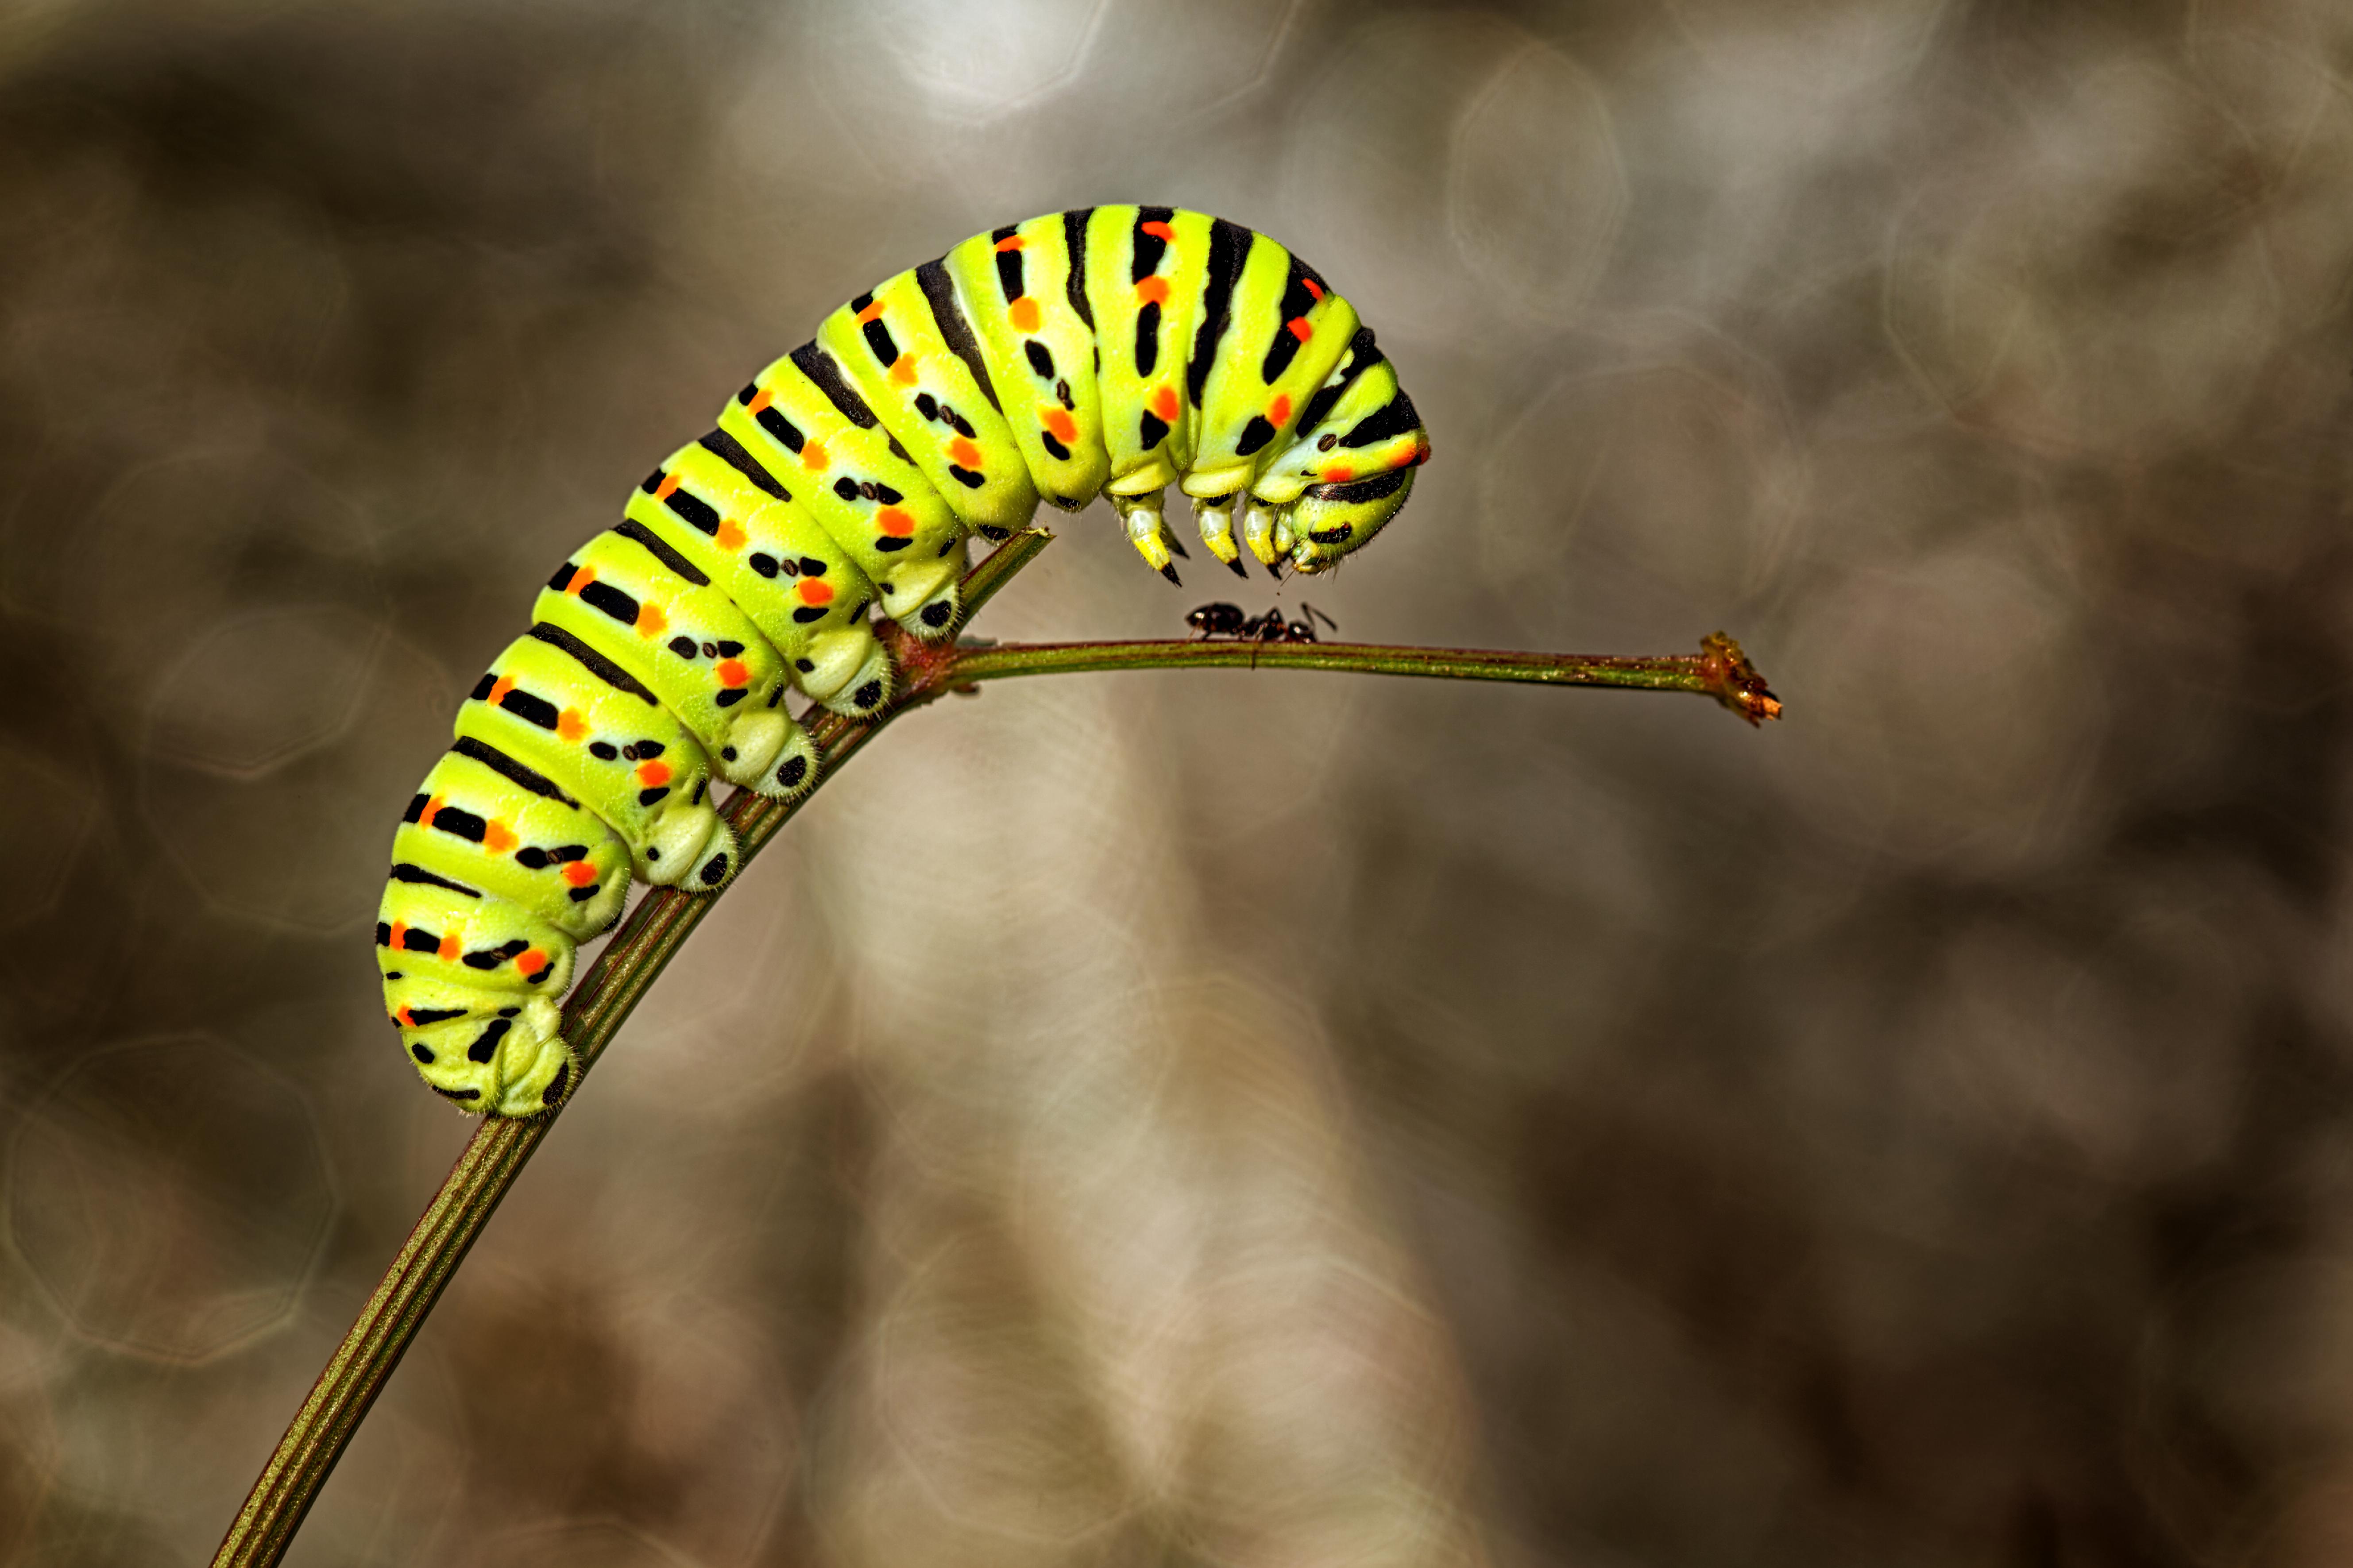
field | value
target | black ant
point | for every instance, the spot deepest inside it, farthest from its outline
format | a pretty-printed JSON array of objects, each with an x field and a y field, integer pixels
[{"x": 1223, "y": 620}]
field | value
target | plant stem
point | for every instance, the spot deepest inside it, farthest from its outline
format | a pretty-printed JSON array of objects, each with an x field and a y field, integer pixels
[
  {"x": 1719, "y": 670},
  {"x": 665, "y": 917}
]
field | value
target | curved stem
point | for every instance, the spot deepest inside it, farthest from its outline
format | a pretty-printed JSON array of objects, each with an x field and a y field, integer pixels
[{"x": 665, "y": 917}]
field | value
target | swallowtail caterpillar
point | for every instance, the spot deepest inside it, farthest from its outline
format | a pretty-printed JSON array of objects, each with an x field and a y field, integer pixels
[{"x": 1110, "y": 350}]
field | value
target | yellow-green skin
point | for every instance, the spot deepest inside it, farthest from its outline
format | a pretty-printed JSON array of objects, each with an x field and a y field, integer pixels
[{"x": 1112, "y": 350}]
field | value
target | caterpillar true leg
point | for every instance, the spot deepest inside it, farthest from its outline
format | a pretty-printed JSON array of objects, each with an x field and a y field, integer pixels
[
  {"x": 1213, "y": 517},
  {"x": 1146, "y": 528},
  {"x": 1109, "y": 350},
  {"x": 1260, "y": 532}
]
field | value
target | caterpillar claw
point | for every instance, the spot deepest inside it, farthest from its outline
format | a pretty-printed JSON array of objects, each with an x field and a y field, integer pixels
[
  {"x": 1259, "y": 525},
  {"x": 1237, "y": 569},
  {"x": 1169, "y": 539},
  {"x": 1213, "y": 518},
  {"x": 1147, "y": 528}
]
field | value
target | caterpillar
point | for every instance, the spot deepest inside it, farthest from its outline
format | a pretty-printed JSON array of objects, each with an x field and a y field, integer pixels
[{"x": 1108, "y": 350}]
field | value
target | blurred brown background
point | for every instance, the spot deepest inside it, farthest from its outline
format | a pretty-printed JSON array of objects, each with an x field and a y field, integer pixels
[{"x": 1266, "y": 1120}]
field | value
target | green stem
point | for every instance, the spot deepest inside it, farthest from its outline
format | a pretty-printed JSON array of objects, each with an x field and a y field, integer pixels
[
  {"x": 1718, "y": 670},
  {"x": 665, "y": 917}
]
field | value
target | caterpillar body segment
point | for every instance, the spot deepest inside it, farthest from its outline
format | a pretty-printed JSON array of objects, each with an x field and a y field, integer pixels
[
  {"x": 1112, "y": 351},
  {"x": 593, "y": 734},
  {"x": 856, "y": 481},
  {"x": 1021, "y": 291},
  {"x": 628, "y": 596},
  {"x": 1251, "y": 398},
  {"x": 1146, "y": 272},
  {"x": 893, "y": 343},
  {"x": 472, "y": 828},
  {"x": 716, "y": 506}
]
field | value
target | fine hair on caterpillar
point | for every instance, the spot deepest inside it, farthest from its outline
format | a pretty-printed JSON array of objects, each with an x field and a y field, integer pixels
[{"x": 1107, "y": 351}]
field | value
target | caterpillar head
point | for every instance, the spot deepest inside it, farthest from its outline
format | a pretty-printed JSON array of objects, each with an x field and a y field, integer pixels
[{"x": 1330, "y": 520}]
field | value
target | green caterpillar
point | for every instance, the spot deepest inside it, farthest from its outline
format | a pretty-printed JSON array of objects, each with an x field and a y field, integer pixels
[{"x": 1110, "y": 350}]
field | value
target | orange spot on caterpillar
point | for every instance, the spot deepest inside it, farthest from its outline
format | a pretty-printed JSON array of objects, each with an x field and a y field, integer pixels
[
  {"x": 499, "y": 688},
  {"x": 404, "y": 1020},
  {"x": 1420, "y": 452},
  {"x": 1158, "y": 231},
  {"x": 872, "y": 312},
  {"x": 1015, "y": 243},
  {"x": 498, "y": 837},
  {"x": 895, "y": 522},
  {"x": 1338, "y": 473},
  {"x": 579, "y": 873},
  {"x": 732, "y": 673},
  {"x": 1023, "y": 313},
  {"x": 814, "y": 591},
  {"x": 902, "y": 370},
  {"x": 669, "y": 484},
  {"x": 533, "y": 964},
  {"x": 1278, "y": 413},
  {"x": 1299, "y": 329},
  {"x": 1058, "y": 421},
  {"x": 425, "y": 817},
  {"x": 570, "y": 725},
  {"x": 760, "y": 400},
  {"x": 398, "y": 934},
  {"x": 813, "y": 457},
  {"x": 731, "y": 535},
  {"x": 1152, "y": 290},
  {"x": 1314, "y": 289},
  {"x": 581, "y": 578},
  {"x": 653, "y": 775},
  {"x": 652, "y": 622},
  {"x": 1163, "y": 403},
  {"x": 448, "y": 948},
  {"x": 963, "y": 454}
]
